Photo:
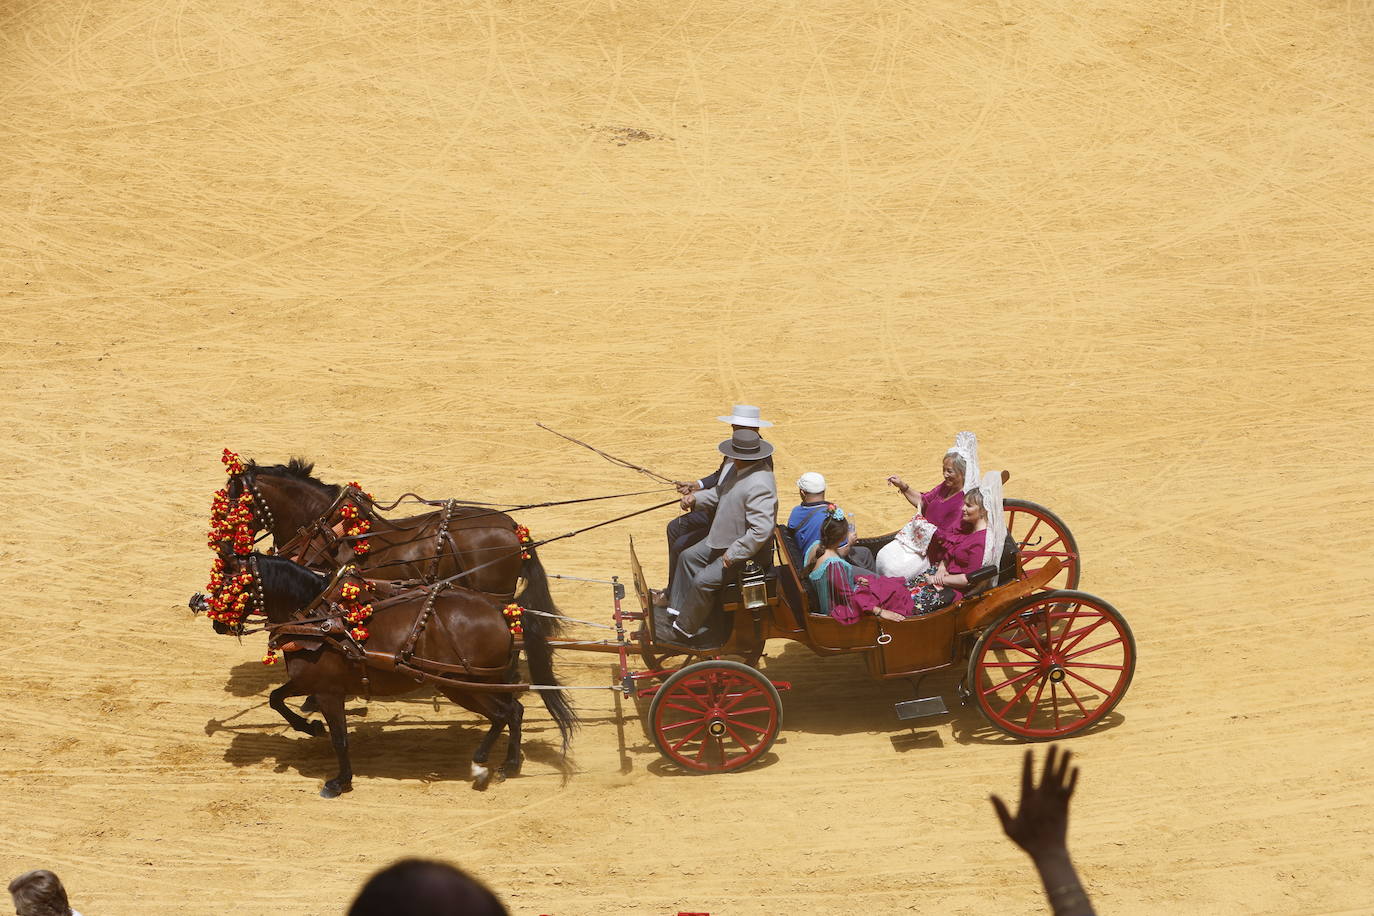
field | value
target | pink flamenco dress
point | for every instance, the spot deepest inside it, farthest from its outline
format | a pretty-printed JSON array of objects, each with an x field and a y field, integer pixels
[
  {"x": 848, "y": 597},
  {"x": 962, "y": 553},
  {"x": 908, "y": 553}
]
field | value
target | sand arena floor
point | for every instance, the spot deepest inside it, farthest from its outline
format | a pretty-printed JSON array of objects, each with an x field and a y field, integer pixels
[{"x": 1128, "y": 243}]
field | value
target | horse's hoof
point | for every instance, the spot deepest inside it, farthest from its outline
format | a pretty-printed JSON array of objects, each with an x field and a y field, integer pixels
[
  {"x": 481, "y": 777},
  {"x": 310, "y": 705},
  {"x": 318, "y": 728},
  {"x": 508, "y": 770},
  {"x": 334, "y": 788}
]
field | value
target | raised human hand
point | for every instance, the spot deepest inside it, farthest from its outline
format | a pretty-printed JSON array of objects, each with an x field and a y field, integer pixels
[{"x": 1041, "y": 823}]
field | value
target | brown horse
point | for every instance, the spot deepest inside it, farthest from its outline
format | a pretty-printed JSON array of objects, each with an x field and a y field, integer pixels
[
  {"x": 463, "y": 637},
  {"x": 481, "y": 546}
]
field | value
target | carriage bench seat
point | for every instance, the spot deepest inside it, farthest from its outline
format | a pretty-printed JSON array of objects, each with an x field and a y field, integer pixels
[{"x": 800, "y": 594}]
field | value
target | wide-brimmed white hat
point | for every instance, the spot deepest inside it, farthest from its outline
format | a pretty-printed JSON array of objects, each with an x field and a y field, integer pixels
[
  {"x": 745, "y": 415},
  {"x": 811, "y": 482}
]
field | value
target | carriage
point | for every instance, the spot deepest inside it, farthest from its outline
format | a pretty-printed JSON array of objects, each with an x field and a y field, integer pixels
[{"x": 1043, "y": 660}]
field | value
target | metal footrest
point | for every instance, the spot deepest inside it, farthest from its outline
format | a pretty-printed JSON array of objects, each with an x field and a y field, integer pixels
[{"x": 919, "y": 709}]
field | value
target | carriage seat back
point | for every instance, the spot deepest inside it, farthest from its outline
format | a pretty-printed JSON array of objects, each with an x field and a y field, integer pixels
[
  {"x": 797, "y": 588},
  {"x": 988, "y": 577}
]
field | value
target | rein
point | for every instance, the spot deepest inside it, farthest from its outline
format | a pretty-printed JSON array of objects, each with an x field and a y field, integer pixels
[
  {"x": 498, "y": 508},
  {"x": 532, "y": 545}
]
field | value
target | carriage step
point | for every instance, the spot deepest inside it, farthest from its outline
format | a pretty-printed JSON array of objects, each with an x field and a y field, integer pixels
[{"x": 919, "y": 709}]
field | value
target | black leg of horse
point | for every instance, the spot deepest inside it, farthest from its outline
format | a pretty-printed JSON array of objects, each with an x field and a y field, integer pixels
[
  {"x": 310, "y": 705},
  {"x": 277, "y": 700},
  {"x": 332, "y": 705},
  {"x": 514, "y": 758},
  {"x": 486, "y": 705},
  {"x": 481, "y": 774}
]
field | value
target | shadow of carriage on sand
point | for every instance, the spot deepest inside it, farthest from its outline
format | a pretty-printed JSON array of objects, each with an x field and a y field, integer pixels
[{"x": 836, "y": 696}]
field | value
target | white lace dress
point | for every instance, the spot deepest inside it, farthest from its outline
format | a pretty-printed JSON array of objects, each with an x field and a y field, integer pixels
[{"x": 905, "y": 556}]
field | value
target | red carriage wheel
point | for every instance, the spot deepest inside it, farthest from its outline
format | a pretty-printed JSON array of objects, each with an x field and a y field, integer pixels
[
  {"x": 1041, "y": 535},
  {"x": 715, "y": 716},
  {"x": 1052, "y": 666}
]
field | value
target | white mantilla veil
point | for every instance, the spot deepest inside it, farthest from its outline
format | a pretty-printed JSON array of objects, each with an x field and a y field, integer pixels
[
  {"x": 991, "y": 487},
  {"x": 966, "y": 447}
]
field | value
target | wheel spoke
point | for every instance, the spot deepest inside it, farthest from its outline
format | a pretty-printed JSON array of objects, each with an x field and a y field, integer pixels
[
  {"x": 698, "y": 730},
  {"x": 1013, "y": 701},
  {"x": 1009, "y": 681},
  {"x": 1101, "y": 645},
  {"x": 690, "y": 710},
  {"x": 752, "y": 728},
  {"x": 737, "y": 698},
  {"x": 1069, "y": 690},
  {"x": 703, "y": 702},
  {"x": 1035, "y": 703},
  {"x": 1011, "y": 645},
  {"x": 1102, "y": 690},
  {"x": 684, "y": 723},
  {"x": 1031, "y": 633},
  {"x": 1093, "y": 665},
  {"x": 740, "y": 741},
  {"x": 1054, "y": 698},
  {"x": 1079, "y": 635}
]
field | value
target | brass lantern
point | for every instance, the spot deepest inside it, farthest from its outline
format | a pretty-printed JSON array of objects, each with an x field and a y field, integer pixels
[{"x": 753, "y": 586}]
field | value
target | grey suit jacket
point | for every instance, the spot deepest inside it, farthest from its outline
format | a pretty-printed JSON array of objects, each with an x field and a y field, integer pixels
[{"x": 746, "y": 508}]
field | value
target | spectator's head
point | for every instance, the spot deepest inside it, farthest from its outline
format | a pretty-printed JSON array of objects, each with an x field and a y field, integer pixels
[
  {"x": 416, "y": 887},
  {"x": 39, "y": 893},
  {"x": 811, "y": 487}
]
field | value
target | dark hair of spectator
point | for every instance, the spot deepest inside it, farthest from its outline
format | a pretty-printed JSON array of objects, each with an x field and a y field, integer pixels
[
  {"x": 417, "y": 887},
  {"x": 39, "y": 893}
]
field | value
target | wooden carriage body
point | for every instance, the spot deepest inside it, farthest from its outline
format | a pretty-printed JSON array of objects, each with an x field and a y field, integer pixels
[
  {"x": 891, "y": 649},
  {"x": 1042, "y": 661}
]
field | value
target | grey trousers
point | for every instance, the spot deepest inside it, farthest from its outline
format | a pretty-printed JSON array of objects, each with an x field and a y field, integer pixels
[
  {"x": 862, "y": 558},
  {"x": 699, "y": 576}
]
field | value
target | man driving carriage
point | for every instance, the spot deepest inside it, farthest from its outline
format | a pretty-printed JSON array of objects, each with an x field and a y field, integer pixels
[
  {"x": 690, "y": 527},
  {"x": 745, "y": 509}
]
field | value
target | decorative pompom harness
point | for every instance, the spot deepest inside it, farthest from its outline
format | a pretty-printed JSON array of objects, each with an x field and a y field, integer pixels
[
  {"x": 523, "y": 534},
  {"x": 354, "y": 525},
  {"x": 513, "y": 614},
  {"x": 232, "y": 521}
]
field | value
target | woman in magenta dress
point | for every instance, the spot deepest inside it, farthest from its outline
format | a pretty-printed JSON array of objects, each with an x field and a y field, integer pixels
[
  {"x": 937, "y": 509},
  {"x": 976, "y": 543},
  {"x": 846, "y": 592}
]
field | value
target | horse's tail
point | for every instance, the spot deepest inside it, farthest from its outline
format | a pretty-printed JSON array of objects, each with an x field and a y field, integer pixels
[
  {"x": 537, "y": 629},
  {"x": 536, "y": 593}
]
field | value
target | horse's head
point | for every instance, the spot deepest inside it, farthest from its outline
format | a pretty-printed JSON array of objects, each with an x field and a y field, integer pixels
[
  {"x": 285, "y": 497},
  {"x": 234, "y": 592}
]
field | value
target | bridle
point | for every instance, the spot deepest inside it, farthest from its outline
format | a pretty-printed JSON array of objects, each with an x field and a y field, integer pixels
[{"x": 262, "y": 513}]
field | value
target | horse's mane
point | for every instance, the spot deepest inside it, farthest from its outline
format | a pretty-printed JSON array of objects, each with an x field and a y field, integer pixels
[
  {"x": 297, "y": 584},
  {"x": 298, "y": 468}
]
